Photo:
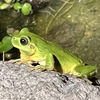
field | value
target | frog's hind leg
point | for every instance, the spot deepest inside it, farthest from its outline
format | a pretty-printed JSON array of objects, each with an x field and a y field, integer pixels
[{"x": 85, "y": 72}]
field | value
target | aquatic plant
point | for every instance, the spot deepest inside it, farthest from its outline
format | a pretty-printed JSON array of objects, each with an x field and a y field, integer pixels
[{"x": 59, "y": 10}]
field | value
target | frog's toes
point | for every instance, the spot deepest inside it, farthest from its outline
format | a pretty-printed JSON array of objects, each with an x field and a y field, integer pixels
[
  {"x": 15, "y": 61},
  {"x": 87, "y": 80},
  {"x": 38, "y": 67}
]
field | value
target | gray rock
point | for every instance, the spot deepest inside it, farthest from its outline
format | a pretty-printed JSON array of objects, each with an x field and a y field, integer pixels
[
  {"x": 66, "y": 34},
  {"x": 17, "y": 83}
]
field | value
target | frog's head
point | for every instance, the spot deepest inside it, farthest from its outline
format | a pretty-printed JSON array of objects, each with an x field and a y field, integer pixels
[{"x": 23, "y": 42}]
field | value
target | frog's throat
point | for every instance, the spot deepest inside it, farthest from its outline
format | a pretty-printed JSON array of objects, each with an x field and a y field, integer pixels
[{"x": 27, "y": 53}]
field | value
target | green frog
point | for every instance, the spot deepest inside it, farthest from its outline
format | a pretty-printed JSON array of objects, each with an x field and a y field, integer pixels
[{"x": 34, "y": 48}]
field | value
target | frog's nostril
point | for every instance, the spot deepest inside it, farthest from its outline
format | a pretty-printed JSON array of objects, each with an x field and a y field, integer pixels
[{"x": 14, "y": 38}]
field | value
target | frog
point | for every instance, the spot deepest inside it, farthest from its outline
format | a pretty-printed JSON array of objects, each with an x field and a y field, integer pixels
[{"x": 34, "y": 48}]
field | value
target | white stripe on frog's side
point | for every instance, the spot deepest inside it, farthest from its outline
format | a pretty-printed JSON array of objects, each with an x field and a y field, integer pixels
[{"x": 42, "y": 62}]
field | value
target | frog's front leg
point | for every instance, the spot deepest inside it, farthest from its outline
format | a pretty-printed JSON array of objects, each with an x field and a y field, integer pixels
[
  {"x": 46, "y": 64},
  {"x": 18, "y": 61}
]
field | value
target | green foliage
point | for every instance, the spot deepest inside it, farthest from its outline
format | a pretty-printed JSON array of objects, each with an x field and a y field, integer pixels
[
  {"x": 17, "y": 6},
  {"x": 7, "y": 1},
  {"x": 5, "y": 44},
  {"x": 3, "y": 5},
  {"x": 26, "y": 9}
]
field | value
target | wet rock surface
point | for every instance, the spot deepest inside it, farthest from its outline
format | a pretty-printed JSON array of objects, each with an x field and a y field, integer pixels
[
  {"x": 67, "y": 34},
  {"x": 17, "y": 83}
]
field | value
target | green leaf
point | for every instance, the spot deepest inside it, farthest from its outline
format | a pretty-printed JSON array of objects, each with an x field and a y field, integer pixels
[
  {"x": 3, "y": 6},
  {"x": 17, "y": 6},
  {"x": 6, "y": 44},
  {"x": 26, "y": 8},
  {"x": 8, "y": 1}
]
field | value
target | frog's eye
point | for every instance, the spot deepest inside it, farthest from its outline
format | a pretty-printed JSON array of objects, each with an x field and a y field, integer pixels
[{"x": 24, "y": 41}]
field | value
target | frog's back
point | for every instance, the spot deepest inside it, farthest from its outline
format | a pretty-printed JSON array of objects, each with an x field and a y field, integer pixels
[{"x": 67, "y": 60}]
